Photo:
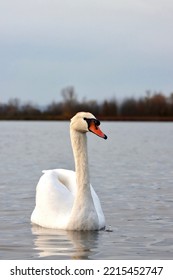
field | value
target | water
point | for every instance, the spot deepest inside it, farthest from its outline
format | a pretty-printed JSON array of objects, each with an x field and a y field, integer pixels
[{"x": 132, "y": 173}]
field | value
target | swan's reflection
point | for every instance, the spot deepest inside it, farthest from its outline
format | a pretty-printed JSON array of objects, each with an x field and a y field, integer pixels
[{"x": 62, "y": 244}]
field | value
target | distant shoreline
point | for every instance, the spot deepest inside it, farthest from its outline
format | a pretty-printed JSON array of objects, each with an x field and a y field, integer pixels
[{"x": 154, "y": 107}]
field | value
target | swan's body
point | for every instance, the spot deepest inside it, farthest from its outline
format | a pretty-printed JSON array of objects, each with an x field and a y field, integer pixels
[{"x": 65, "y": 199}]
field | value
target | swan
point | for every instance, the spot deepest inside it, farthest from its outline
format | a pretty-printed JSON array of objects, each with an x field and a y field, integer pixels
[{"x": 64, "y": 198}]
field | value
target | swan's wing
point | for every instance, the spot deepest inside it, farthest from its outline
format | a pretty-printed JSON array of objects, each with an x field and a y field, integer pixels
[
  {"x": 66, "y": 177},
  {"x": 54, "y": 198}
]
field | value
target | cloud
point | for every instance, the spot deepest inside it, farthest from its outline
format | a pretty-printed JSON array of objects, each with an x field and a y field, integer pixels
[
  {"x": 99, "y": 46},
  {"x": 87, "y": 24}
]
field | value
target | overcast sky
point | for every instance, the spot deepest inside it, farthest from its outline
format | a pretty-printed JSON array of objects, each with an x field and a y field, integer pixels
[{"x": 103, "y": 48}]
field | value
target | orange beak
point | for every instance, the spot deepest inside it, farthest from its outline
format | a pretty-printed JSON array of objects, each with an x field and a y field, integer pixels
[{"x": 96, "y": 130}]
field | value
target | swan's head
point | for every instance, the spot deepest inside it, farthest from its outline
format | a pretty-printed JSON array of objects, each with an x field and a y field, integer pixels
[{"x": 84, "y": 122}]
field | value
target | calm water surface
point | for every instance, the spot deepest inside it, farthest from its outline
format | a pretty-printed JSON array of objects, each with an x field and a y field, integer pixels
[{"x": 132, "y": 173}]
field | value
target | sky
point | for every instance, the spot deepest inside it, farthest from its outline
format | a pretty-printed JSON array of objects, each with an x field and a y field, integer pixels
[{"x": 103, "y": 48}]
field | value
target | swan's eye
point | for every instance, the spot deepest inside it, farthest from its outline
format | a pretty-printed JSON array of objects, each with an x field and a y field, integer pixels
[
  {"x": 97, "y": 122},
  {"x": 89, "y": 121}
]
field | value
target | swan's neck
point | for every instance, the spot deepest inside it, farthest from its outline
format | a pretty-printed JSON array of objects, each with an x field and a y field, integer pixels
[
  {"x": 79, "y": 146},
  {"x": 83, "y": 215}
]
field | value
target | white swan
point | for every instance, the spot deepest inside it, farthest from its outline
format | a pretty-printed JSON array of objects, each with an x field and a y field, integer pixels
[{"x": 65, "y": 199}]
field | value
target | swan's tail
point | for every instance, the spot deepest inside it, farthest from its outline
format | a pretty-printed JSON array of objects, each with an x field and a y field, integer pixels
[
  {"x": 44, "y": 171},
  {"x": 51, "y": 171}
]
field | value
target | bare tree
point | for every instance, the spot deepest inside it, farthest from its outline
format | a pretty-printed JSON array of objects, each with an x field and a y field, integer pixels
[{"x": 69, "y": 101}]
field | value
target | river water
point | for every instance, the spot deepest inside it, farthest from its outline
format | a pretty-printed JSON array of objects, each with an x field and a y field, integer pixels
[{"x": 132, "y": 173}]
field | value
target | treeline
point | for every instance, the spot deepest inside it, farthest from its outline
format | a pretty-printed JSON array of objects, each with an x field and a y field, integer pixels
[{"x": 153, "y": 106}]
